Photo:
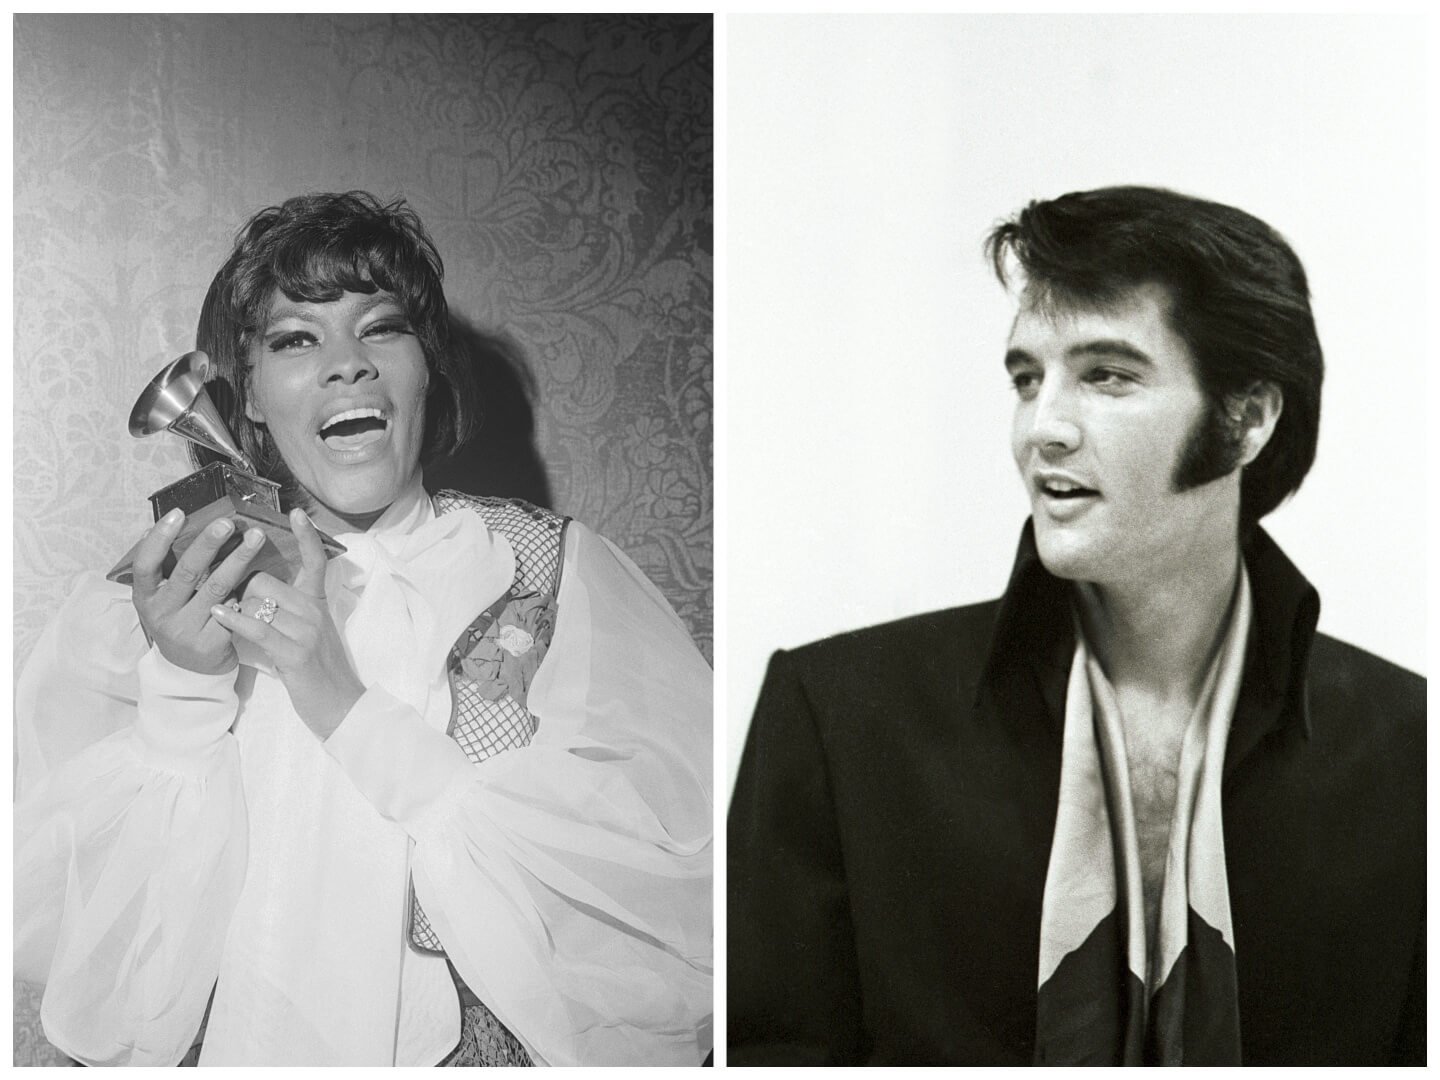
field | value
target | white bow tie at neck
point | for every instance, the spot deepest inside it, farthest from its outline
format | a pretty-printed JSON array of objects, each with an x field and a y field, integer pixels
[{"x": 401, "y": 599}]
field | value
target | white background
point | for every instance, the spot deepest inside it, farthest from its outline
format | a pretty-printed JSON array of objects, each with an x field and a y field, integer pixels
[{"x": 867, "y": 463}]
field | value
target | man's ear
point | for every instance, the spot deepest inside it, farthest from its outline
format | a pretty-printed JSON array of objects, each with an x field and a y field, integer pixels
[{"x": 1255, "y": 413}]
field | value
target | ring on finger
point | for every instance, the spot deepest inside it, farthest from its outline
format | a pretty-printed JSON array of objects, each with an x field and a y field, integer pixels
[{"x": 267, "y": 609}]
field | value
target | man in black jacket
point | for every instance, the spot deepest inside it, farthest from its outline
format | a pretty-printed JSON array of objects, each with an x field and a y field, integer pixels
[{"x": 1136, "y": 810}]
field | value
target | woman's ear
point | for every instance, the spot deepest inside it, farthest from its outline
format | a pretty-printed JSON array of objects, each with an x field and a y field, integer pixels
[{"x": 1256, "y": 412}]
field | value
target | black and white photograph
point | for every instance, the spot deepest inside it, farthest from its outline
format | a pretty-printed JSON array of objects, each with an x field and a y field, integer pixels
[
  {"x": 721, "y": 539},
  {"x": 363, "y": 501},
  {"x": 1076, "y": 540}
]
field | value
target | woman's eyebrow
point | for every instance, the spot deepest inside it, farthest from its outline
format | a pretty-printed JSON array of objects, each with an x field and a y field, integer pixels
[
  {"x": 287, "y": 312},
  {"x": 374, "y": 300},
  {"x": 306, "y": 314}
]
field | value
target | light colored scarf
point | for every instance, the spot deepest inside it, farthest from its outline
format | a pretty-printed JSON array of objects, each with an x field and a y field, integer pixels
[
  {"x": 314, "y": 968},
  {"x": 1107, "y": 995}
]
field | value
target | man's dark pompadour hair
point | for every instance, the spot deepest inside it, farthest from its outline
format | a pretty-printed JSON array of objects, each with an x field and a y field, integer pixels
[{"x": 1239, "y": 301}]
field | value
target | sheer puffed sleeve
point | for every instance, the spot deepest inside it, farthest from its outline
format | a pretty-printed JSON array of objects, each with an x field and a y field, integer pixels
[
  {"x": 570, "y": 879},
  {"x": 129, "y": 834}
]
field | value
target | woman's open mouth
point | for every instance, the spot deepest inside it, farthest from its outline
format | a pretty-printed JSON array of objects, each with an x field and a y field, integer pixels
[{"x": 354, "y": 429}]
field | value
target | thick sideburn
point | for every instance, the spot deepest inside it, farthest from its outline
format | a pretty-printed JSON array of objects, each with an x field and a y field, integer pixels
[{"x": 1213, "y": 449}]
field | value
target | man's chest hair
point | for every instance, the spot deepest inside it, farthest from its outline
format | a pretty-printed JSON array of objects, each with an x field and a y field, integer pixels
[{"x": 1153, "y": 737}]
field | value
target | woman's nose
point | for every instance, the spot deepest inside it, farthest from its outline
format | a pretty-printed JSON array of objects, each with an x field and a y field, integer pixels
[{"x": 347, "y": 362}]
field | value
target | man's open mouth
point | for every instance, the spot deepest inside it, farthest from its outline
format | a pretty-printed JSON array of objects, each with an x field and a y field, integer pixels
[
  {"x": 353, "y": 428},
  {"x": 1064, "y": 489}
]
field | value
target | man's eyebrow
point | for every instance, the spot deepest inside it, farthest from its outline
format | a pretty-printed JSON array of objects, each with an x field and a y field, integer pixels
[
  {"x": 1110, "y": 347},
  {"x": 1016, "y": 357}
]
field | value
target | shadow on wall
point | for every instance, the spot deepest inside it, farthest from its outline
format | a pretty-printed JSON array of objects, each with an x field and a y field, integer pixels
[{"x": 501, "y": 459}]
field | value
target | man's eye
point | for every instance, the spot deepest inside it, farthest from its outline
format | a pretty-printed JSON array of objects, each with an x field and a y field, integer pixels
[
  {"x": 1111, "y": 378},
  {"x": 1025, "y": 382}
]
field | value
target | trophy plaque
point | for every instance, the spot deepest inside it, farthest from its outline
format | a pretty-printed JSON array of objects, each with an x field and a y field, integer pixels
[{"x": 176, "y": 401}]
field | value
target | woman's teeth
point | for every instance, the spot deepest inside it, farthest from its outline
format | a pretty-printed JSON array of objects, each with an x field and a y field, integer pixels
[{"x": 353, "y": 428}]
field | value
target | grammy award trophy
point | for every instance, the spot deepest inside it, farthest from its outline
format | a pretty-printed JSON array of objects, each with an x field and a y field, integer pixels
[{"x": 176, "y": 401}]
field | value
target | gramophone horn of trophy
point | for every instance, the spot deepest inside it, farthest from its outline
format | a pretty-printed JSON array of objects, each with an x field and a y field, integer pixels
[{"x": 176, "y": 401}]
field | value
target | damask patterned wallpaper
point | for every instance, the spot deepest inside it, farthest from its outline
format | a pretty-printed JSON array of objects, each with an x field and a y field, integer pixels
[{"x": 562, "y": 164}]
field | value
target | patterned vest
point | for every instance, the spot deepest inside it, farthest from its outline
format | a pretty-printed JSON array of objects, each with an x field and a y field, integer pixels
[{"x": 488, "y": 682}]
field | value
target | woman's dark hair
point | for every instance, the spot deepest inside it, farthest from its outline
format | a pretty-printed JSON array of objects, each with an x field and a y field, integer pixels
[
  {"x": 314, "y": 248},
  {"x": 1238, "y": 299}
]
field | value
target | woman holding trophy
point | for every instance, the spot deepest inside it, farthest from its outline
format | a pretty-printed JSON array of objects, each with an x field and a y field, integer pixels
[{"x": 447, "y": 762}]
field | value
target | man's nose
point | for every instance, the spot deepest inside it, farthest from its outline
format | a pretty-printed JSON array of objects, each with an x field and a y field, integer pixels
[{"x": 1054, "y": 427}]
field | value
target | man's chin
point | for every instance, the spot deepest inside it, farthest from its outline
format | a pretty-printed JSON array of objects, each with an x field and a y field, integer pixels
[{"x": 1065, "y": 554}]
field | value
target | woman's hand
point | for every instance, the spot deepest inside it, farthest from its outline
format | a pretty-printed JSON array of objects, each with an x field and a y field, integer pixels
[
  {"x": 300, "y": 638},
  {"x": 176, "y": 611}
]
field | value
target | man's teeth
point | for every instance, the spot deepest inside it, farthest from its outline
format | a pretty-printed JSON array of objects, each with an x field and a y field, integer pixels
[{"x": 1063, "y": 487}]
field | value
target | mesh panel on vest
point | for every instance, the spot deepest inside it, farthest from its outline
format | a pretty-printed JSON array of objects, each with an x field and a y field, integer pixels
[{"x": 481, "y": 726}]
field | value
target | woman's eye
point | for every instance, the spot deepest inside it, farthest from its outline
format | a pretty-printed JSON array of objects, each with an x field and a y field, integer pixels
[
  {"x": 1024, "y": 383},
  {"x": 386, "y": 328},
  {"x": 293, "y": 340}
]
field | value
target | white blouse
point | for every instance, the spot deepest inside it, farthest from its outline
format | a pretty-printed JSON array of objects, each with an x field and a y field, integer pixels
[{"x": 172, "y": 829}]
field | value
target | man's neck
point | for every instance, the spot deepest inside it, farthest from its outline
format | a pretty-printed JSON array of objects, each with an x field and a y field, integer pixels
[{"x": 1157, "y": 636}]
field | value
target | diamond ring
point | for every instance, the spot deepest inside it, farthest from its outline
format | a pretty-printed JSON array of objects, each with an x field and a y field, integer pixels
[{"x": 266, "y": 611}]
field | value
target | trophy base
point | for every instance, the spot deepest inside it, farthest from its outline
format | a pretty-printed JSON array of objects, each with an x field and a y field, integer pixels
[{"x": 221, "y": 490}]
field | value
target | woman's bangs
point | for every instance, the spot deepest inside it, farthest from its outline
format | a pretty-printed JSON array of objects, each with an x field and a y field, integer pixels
[{"x": 321, "y": 274}]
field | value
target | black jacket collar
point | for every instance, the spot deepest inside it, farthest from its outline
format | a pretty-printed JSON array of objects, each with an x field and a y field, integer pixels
[{"x": 1034, "y": 637}]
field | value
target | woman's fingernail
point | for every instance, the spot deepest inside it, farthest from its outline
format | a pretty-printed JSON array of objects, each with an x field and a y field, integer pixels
[
  {"x": 254, "y": 538},
  {"x": 173, "y": 517},
  {"x": 221, "y": 527}
]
